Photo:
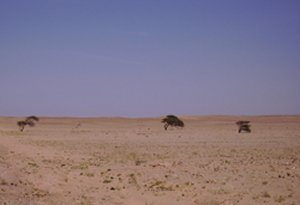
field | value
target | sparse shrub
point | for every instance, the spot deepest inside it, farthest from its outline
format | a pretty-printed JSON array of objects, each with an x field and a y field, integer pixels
[
  {"x": 172, "y": 120},
  {"x": 243, "y": 126},
  {"x": 30, "y": 121}
]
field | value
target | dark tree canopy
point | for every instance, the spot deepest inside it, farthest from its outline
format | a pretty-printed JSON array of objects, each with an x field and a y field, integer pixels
[
  {"x": 172, "y": 120},
  {"x": 244, "y": 126},
  {"x": 32, "y": 118},
  {"x": 242, "y": 122},
  {"x": 30, "y": 121}
]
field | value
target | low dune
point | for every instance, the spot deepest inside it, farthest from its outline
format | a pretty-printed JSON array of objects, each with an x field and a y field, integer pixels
[{"x": 119, "y": 161}]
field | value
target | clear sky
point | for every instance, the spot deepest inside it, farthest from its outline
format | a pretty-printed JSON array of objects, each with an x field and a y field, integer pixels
[{"x": 139, "y": 58}]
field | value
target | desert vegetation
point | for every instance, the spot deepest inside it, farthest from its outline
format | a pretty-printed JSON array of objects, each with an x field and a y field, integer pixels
[
  {"x": 243, "y": 126},
  {"x": 135, "y": 161},
  {"x": 172, "y": 120},
  {"x": 30, "y": 121}
]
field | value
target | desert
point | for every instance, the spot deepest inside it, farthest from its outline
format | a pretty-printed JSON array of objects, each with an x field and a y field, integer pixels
[{"x": 135, "y": 161}]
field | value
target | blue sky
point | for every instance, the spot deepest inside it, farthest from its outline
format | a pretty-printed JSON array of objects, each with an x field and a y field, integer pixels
[{"x": 140, "y": 58}]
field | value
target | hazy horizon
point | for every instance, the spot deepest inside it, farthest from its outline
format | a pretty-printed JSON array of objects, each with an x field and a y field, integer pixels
[
  {"x": 149, "y": 58},
  {"x": 153, "y": 117}
]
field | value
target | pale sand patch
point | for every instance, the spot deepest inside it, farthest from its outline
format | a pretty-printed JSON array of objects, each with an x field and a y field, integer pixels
[{"x": 136, "y": 162}]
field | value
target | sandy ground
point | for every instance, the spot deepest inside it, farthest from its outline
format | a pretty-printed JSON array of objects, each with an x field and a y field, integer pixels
[{"x": 119, "y": 161}]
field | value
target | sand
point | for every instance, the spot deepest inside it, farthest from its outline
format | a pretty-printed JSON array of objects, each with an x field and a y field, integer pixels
[{"x": 123, "y": 161}]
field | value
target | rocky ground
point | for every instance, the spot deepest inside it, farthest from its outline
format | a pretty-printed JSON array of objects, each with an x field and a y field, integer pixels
[{"x": 80, "y": 161}]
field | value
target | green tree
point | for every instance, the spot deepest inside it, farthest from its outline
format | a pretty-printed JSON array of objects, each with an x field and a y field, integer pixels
[{"x": 172, "y": 120}]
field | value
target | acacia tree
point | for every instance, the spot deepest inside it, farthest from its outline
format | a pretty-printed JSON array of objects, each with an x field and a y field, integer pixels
[
  {"x": 172, "y": 120},
  {"x": 30, "y": 121},
  {"x": 243, "y": 126}
]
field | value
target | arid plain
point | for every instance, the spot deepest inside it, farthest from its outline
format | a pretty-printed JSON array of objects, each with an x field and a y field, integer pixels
[{"x": 119, "y": 161}]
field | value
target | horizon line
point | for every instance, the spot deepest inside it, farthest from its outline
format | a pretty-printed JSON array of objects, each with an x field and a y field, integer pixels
[{"x": 149, "y": 117}]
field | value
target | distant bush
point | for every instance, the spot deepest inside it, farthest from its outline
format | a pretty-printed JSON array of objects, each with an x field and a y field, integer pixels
[
  {"x": 30, "y": 121},
  {"x": 243, "y": 126},
  {"x": 172, "y": 120}
]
